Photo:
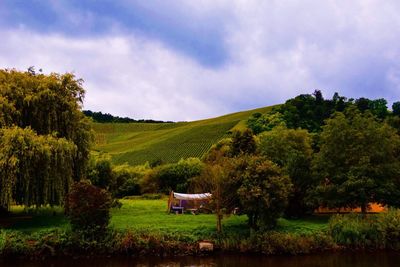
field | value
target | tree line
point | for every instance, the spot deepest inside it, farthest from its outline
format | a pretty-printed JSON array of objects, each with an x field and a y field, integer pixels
[{"x": 101, "y": 117}]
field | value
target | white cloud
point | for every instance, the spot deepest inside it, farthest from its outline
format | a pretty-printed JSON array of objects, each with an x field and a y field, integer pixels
[{"x": 277, "y": 49}]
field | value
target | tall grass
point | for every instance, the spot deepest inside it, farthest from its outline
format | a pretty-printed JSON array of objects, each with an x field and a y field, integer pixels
[{"x": 377, "y": 231}]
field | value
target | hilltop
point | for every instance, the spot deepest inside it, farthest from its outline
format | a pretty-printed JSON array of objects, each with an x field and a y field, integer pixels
[{"x": 137, "y": 143}]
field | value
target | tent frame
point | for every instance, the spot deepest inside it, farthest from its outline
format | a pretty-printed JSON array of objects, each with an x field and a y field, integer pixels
[{"x": 188, "y": 197}]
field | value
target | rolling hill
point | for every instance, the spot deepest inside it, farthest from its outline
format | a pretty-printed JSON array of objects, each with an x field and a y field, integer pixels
[{"x": 137, "y": 143}]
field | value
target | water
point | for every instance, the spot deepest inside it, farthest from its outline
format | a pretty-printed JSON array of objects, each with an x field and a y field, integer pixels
[{"x": 356, "y": 259}]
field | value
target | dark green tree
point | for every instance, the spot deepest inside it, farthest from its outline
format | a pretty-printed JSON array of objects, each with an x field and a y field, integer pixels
[
  {"x": 263, "y": 190},
  {"x": 309, "y": 111},
  {"x": 173, "y": 176},
  {"x": 291, "y": 150},
  {"x": 88, "y": 209},
  {"x": 243, "y": 142},
  {"x": 396, "y": 108},
  {"x": 100, "y": 173},
  {"x": 358, "y": 162}
]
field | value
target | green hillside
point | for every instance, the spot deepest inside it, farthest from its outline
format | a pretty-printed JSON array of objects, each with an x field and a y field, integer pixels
[{"x": 136, "y": 143}]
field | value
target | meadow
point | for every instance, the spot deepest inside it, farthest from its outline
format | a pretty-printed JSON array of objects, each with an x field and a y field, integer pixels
[
  {"x": 138, "y": 143},
  {"x": 150, "y": 216}
]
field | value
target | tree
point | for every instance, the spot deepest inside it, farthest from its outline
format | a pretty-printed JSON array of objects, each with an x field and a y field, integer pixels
[
  {"x": 358, "y": 161},
  {"x": 173, "y": 176},
  {"x": 263, "y": 190},
  {"x": 291, "y": 150},
  {"x": 88, "y": 209},
  {"x": 216, "y": 179},
  {"x": 100, "y": 172},
  {"x": 259, "y": 123},
  {"x": 396, "y": 108},
  {"x": 41, "y": 123},
  {"x": 34, "y": 169},
  {"x": 379, "y": 108},
  {"x": 363, "y": 104},
  {"x": 309, "y": 111},
  {"x": 243, "y": 143}
]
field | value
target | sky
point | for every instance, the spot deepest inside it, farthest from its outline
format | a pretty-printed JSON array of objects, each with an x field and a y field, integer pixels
[{"x": 187, "y": 60}]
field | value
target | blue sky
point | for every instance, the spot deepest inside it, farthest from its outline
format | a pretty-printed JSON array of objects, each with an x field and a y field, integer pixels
[{"x": 186, "y": 60}]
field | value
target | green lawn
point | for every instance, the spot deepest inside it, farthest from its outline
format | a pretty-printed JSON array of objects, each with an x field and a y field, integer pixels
[{"x": 150, "y": 215}]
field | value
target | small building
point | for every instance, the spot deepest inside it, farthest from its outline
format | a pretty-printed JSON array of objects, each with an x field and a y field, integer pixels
[{"x": 179, "y": 202}]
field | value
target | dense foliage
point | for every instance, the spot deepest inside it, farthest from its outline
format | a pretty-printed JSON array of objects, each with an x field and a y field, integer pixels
[
  {"x": 44, "y": 137},
  {"x": 353, "y": 146},
  {"x": 358, "y": 162},
  {"x": 239, "y": 179},
  {"x": 373, "y": 232},
  {"x": 120, "y": 180},
  {"x": 174, "y": 176},
  {"x": 309, "y": 111},
  {"x": 88, "y": 208},
  {"x": 34, "y": 169},
  {"x": 263, "y": 191},
  {"x": 291, "y": 150}
]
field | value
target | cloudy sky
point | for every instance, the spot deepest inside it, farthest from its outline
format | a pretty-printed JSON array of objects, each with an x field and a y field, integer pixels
[{"x": 193, "y": 59}]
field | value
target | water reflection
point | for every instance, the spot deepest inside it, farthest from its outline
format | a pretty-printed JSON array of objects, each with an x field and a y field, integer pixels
[{"x": 357, "y": 259}]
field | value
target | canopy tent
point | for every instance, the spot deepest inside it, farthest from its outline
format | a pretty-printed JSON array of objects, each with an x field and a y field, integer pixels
[
  {"x": 192, "y": 196},
  {"x": 180, "y": 202}
]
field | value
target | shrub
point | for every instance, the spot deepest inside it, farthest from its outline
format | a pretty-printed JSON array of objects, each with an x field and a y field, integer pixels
[
  {"x": 100, "y": 172},
  {"x": 126, "y": 181},
  {"x": 273, "y": 243},
  {"x": 88, "y": 208},
  {"x": 174, "y": 176},
  {"x": 389, "y": 223},
  {"x": 357, "y": 231}
]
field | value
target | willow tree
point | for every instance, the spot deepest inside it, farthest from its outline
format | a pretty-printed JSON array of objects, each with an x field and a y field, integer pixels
[{"x": 44, "y": 136}]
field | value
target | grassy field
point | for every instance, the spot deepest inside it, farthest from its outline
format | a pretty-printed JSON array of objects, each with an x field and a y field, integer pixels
[
  {"x": 150, "y": 215},
  {"x": 137, "y": 143}
]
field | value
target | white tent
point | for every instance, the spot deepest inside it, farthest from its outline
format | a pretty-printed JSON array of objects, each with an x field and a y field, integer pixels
[
  {"x": 192, "y": 196},
  {"x": 180, "y": 202}
]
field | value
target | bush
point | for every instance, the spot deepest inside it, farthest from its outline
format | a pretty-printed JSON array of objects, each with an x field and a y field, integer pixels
[
  {"x": 126, "y": 180},
  {"x": 174, "y": 176},
  {"x": 389, "y": 223},
  {"x": 274, "y": 243},
  {"x": 356, "y": 231},
  {"x": 100, "y": 172},
  {"x": 374, "y": 231},
  {"x": 88, "y": 208}
]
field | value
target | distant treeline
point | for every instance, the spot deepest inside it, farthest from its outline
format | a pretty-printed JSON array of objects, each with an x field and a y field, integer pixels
[
  {"x": 310, "y": 111},
  {"x": 106, "y": 117}
]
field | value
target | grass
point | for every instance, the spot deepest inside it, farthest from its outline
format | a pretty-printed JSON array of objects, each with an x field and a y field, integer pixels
[
  {"x": 32, "y": 220},
  {"x": 150, "y": 216},
  {"x": 138, "y": 143},
  {"x": 315, "y": 223}
]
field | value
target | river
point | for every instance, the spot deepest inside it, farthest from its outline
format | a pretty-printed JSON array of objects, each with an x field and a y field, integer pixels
[{"x": 356, "y": 259}]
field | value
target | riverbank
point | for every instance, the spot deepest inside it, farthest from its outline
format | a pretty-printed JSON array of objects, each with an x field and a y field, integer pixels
[
  {"x": 57, "y": 243},
  {"x": 142, "y": 227}
]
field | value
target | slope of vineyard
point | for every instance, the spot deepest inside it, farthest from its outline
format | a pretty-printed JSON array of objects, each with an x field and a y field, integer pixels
[{"x": 137, "y": 143}]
